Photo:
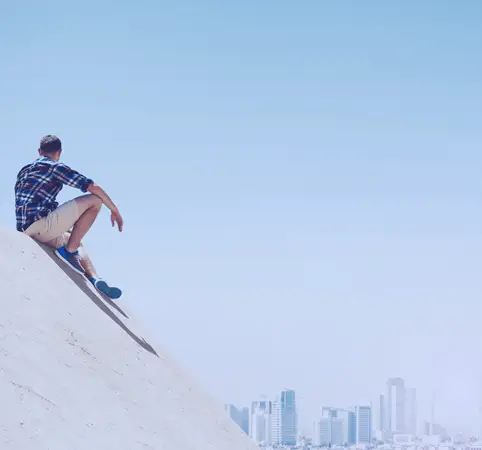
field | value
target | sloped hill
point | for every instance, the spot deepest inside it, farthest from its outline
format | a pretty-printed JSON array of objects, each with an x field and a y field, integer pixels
[{"x": 78, "y": 372}]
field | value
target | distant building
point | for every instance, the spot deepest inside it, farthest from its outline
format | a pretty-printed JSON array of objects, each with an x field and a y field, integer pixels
[
  {"x": 305, "y": 441},
  {"x": 349, "y": 426},
  {"x": 435, "y": 441},
  {"x": 337, "y": 431},
  {"x": 459, "y": 438},
  {"x": 475, "y": 446},
  {"x": 284, "y": 419},
  {"x": 232, "y": 411},
  {"x": 240, "y": 416},
  {"x": 244, "y": 419},
  {"x": 382, "y": 436},
  {"x": 260, "y": 422},
  {"x": 336, "y": 426},
  {"x": 382, "y": 420},
  {"x": 327, "y": 411},
  {"x": 395, "y": 406},
  {"x": 328, "y": 431},
  {"x": 426, "y": 428},
  {"x": 439, "y": 430},
  {"x": 411, "y": 411},
  {"x": 363, "y": 424},
  {"x": 434, "y": 429},
  {"x": 322, "y": 431}
]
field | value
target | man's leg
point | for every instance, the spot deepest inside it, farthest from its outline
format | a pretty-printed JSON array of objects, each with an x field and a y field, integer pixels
[
  {"x": 88, "y": 208},
  {"x": 77, "y": 215},
  {"x": 90, "y": 272},
  {"x": 88, "y": 266},
  {"x": 64, "y": 229},
  {"x": 85, "y": 260}
]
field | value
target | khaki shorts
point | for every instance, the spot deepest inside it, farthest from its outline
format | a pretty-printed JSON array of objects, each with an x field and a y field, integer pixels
[{"x": 54, "y": 230}]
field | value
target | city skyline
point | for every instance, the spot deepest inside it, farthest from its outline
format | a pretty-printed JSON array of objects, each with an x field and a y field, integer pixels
[
  {"x": 429, "y": 408},
  {"x": 341, "y": 425}
]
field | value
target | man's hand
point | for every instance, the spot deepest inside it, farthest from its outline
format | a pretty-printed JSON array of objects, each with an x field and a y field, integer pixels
[
  {"x": 116, "y": 217},
  {"x": 106, "y": 200}
]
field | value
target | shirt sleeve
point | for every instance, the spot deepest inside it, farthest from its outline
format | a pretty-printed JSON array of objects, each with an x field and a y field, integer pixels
[{"x": 70, "y": 177}]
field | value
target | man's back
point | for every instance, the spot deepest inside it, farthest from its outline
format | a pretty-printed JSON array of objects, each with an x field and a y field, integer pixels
[{"x": 37, "y": 187}]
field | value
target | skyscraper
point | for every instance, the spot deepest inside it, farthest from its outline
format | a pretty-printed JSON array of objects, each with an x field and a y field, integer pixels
[
  {"x": 329, "y": 429},
  {"x": 363, "y": 424},
  {"x": 260, "y": 422},
  {"x": 382, "y": 417},
  {"x": 244, "y": 419},
  {"x": 395, "y": 406},
  {"x": 232, "y": 411},
  {"x": 321, "y": 431},
  {"x": 284, "y": 419},
  {"x": 329, "y": 411},
  {"x": 239, "y": 415},
  {"x": 336, "y": 431},
  {"x": 411, "y": 410},
  {"x": 349, "y": 426}
]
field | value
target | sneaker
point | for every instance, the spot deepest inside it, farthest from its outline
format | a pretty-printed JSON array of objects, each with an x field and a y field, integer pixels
[
  {"x": 72, "y": 259},
  {"x": 102, "y": 286}
]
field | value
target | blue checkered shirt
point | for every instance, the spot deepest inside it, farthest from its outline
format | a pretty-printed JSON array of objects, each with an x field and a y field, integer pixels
[{"x": 37, "y": 187}]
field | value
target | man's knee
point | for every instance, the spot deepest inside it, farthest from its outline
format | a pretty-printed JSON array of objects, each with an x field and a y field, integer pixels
[
  {"x": 89, "y": 201},
  {"x": 96, "y": 202}
]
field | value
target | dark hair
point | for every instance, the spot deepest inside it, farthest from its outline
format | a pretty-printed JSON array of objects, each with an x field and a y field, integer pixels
[{"x": 50, "y": 144}]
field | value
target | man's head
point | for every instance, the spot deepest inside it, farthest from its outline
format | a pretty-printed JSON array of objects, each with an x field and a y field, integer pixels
[{"x": 50, "y": 146}]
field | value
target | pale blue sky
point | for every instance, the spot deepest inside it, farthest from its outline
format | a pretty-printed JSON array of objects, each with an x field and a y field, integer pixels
[{"x": 299, "y": 181}]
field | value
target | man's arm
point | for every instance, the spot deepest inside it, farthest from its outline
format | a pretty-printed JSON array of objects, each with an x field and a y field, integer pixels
[
  {"x": 70, "y": 177},
  {"x": 115, "y": 216}
]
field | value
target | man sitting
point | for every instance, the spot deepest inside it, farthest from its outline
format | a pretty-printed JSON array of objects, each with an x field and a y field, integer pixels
[{"x": 61, "y": 227}]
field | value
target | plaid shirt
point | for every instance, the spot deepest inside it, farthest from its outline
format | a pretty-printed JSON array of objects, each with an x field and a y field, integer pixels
[{"x": 37, "y": 187}]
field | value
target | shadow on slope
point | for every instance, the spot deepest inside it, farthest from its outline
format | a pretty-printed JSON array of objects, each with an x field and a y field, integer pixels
[{"x": 81, "y": 282}]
